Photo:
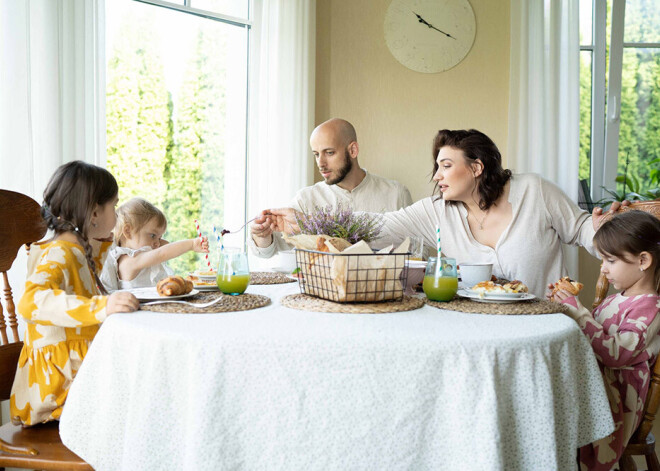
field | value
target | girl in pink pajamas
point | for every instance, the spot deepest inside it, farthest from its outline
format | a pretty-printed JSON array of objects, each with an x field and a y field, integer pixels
[{"x": 623, "y": 330}]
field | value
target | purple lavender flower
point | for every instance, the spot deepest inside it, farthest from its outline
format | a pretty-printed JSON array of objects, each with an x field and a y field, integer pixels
[{"x": 341, "y": 222}]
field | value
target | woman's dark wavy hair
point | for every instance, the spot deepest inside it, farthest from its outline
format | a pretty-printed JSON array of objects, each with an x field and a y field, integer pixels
[
  {"x": 475, "y": 145},
  {"x": 631, "y": 232},
  {"x": 70, "y": 198}
]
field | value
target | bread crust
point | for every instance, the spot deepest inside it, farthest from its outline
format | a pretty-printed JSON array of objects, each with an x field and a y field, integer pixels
[
  {"x": 174, "y": 286},
  {"x": 566, "y": 284}
]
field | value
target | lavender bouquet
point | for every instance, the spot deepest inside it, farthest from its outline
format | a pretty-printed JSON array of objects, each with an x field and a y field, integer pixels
[{"x": 341, "y": 222}]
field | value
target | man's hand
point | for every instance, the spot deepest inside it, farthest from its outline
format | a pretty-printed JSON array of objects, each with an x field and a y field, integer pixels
[
  {"x": 261, "y": 230},
  {"x": 284, "y": 220},
  {"x": 598, "y": 217}
]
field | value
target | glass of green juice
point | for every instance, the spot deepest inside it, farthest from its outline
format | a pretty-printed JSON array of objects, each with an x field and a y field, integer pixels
[
  {"x": 233, "y": 272},
  {"x": 440, "y": 279}
]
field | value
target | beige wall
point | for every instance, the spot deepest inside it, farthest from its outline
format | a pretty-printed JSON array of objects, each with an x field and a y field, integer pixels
[{"x": 397, "y": 111}]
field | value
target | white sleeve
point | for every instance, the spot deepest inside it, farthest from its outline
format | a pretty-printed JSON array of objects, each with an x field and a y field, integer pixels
[
  {"x": 109, "y": 276},
  {"x": 404, "y": 197},
  {"x": 572, "y": 224}
]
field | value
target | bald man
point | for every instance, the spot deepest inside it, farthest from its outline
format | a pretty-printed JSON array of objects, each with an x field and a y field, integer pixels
[{"x": 335, "y": 148}]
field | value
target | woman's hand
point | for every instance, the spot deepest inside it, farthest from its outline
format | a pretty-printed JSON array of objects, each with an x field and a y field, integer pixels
[
  {"x": 201, "y": 244},
  {"x": 283, "y": 220},
  {"x": 121, "y": 301},
  {"x": 598, "y": 217}
]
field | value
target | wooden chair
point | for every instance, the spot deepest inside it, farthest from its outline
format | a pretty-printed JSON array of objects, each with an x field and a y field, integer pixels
[
  {"x": 642, "y": 442},
  {"x": 37, "y": 447},
  {"x": 602, "y": 285}
]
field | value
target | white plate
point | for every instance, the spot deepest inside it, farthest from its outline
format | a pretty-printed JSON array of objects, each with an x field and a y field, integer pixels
[
  {"x": 416, "y": 263},
  {"x": 206, "y": 287},
  {"x": 495, "y": 298},
  {"x": 151, "y": 294},
  {"x": 204, "y": 277},
  {"x": 282, "y": 270}
]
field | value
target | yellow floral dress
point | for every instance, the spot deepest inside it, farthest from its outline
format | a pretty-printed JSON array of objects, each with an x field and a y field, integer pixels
[{"x": 63, "y": 309}]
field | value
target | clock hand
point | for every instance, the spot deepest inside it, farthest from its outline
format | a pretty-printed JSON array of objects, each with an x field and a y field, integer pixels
[
  {"x": 446, "y": 34},
  {"x": 424, "y": 22}
]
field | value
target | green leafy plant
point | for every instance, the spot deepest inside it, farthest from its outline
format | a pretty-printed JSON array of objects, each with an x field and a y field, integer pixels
[{"x": 633, "y": 188}]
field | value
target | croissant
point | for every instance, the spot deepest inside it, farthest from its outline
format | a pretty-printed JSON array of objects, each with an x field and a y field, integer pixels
[
  {"x": 566, "y": 284},
  {"x": 174, "y": 286}
]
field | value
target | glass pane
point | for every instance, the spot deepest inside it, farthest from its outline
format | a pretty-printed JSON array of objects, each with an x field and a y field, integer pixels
[
  {"x": 642, "y": 21},
  {"x": 586, "y": 22},
  {"x": 176, "y": 118},
  {"x": 639, "y": 134},
  {"x": 585, "y": 115},
  {"x": 238, "y": 8}
]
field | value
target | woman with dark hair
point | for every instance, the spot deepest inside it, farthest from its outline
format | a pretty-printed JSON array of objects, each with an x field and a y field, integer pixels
[{"x": 488, "y": 215}]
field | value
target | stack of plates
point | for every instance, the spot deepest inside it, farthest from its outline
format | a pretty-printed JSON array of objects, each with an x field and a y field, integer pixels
[{"x": 204, "y": 282}]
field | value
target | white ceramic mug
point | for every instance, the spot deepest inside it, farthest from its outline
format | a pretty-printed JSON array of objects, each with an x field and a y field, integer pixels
[
  {"x": 473, "y": 273},
  {"x": 287, "y": 260}
]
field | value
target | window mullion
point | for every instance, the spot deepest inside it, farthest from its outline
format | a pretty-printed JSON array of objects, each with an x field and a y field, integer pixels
[
  {"x": 613, "y": 117},
  {"x": 598, "y": 99}
]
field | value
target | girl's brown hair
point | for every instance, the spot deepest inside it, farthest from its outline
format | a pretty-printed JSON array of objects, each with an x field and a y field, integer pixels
[
  {"x": 631, "y": 232},
  {"x": 134, "y": 214},
  {"x": 70, "y": 198},
  {"x": 475, "y": 145}
]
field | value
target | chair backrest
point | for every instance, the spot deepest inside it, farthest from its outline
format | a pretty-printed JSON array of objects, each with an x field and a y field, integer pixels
[
  {"x": 21, "y": 224},
  {"x": 602, "y": 285},
  {"x": 650, "y": 406}
]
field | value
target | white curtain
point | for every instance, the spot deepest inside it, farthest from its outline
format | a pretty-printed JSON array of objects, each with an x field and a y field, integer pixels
[
  {"x": 52, "y": 91},
  {"x": 281, "y": 95},
  {"x": 52, "y": 95},
  {"x": 544, "y": 100}
]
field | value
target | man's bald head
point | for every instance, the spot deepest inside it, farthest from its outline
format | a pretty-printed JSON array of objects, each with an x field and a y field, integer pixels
[{"x": 342, "y": 129}]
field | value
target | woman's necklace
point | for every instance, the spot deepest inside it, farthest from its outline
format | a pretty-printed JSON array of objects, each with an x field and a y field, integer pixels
[{"x": 481, "y": 223}]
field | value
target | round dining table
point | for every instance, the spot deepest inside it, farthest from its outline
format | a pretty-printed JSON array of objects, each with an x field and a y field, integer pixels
[{"x": 277, "y": 388}]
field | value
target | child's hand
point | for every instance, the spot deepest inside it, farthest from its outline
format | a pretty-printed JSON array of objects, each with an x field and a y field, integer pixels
[
  {"x": 562, "y": 295},
  {"x": 121, "y": 301},
  {"x": 201, "y": 245}
]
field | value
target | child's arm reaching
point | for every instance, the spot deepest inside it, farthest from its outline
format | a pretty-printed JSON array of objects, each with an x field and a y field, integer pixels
[
  {"x": 627, "y": 345},
  {"x": 129, "y": 267}
]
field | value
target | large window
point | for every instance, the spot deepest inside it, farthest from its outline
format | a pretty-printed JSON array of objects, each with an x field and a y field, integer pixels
[
  {"x": 620, "y": 96},
  {"x": 176, "y": 112}
]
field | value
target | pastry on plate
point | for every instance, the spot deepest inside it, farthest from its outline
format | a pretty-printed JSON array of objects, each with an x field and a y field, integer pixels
[
  {"x": 488, "y": 287},
  {"x": 515, "y": 286},
  {"x": 174, "y": 286}
]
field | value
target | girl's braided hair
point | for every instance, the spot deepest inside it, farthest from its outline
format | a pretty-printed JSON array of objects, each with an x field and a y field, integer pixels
[{"x": 70, "y": 198}]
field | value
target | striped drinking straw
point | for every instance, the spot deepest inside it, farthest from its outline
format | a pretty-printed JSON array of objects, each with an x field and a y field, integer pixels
[
  {"x": 199, "y": 234},
  {"x": 438, "y": 264}
]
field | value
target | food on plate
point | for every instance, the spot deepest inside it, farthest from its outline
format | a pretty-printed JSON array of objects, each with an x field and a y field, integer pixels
[
  {"x": 565, "y": 283},
  {"x": 196, "y": 281},
  {"x": 490, "y": 287},
  {"x": 515, "y": 286},
  {"x": 210, "y": 272},
  {"x": 174, "y": 286}
]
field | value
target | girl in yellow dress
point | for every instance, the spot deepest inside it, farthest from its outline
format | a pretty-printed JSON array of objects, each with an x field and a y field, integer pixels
[{"x": 64, "y": 302}]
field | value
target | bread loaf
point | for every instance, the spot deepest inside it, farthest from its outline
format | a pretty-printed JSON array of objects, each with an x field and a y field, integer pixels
[{"x": 174, "y": 286}]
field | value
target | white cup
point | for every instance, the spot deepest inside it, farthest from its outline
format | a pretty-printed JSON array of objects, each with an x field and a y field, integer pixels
[
  {"x": 473, "y": 273},
  {"x": 286, "y": 260}
]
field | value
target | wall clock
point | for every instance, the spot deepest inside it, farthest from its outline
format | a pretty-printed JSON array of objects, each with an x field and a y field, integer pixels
[{"x": 429, "y": 35}]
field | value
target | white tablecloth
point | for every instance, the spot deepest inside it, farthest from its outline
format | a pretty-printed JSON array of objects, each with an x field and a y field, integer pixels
[{"x": 283, "y": 389}]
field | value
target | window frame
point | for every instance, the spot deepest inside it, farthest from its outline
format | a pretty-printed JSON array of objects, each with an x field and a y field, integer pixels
[{"x": 606, "y": 104}]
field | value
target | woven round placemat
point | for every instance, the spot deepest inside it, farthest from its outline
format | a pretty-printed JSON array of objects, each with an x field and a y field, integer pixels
[
  {"x": 310, "y": 303},
  {"x": 269, "y": 278},
  {"x": 532, "y": 307},
  {"x": 242, "y": 302}
]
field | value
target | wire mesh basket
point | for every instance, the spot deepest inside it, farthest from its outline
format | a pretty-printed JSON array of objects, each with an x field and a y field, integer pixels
[{"x": 352, "y": 278}]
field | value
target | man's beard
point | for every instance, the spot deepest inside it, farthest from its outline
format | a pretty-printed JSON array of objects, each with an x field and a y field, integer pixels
[{"x": 343, "y": 171}]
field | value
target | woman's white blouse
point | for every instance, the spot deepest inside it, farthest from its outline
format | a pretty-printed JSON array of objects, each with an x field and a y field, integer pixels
[{"x": 529, "y": 249}]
